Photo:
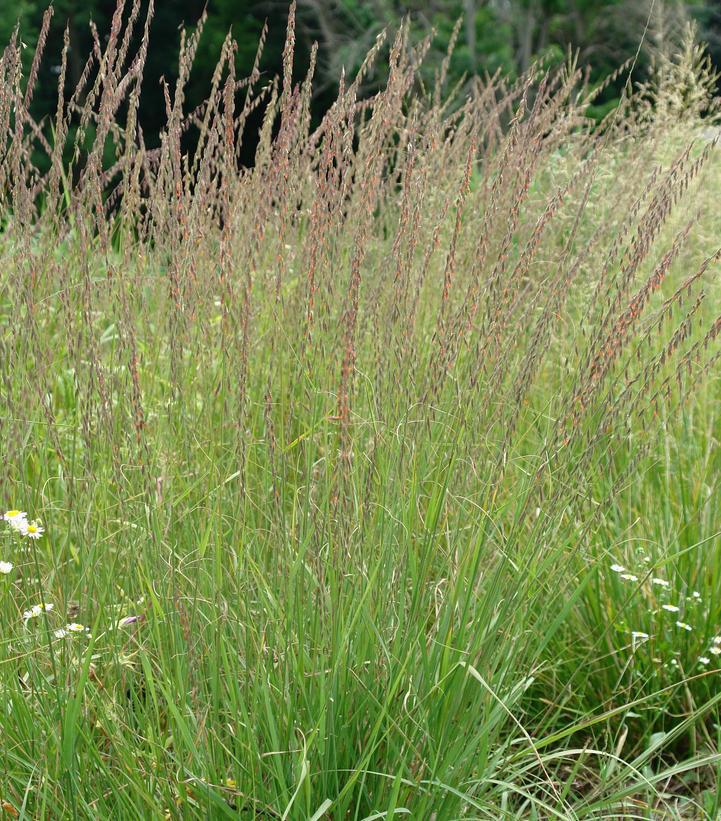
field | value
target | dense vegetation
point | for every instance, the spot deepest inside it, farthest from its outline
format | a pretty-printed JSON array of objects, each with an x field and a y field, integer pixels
[
  {"x": 378, "y": 478},
  {"x": 505, "y": 35}
]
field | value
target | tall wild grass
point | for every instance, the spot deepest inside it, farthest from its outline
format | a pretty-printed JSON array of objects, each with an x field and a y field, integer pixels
[{"x": 379, "y": 478}]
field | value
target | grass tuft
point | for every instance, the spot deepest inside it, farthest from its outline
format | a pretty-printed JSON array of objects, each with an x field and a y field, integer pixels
[{"x": 379, "y": 478}]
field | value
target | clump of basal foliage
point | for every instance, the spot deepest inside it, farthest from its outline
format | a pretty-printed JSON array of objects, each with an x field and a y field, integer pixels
[{"x": 380, "y": 477}]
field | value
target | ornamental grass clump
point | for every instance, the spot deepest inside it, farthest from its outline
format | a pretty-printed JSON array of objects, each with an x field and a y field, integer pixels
[{"x": 377, "y": 477}]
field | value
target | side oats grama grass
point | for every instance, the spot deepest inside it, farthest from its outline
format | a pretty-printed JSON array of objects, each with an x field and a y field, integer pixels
[{"x": 379, "y": 477}]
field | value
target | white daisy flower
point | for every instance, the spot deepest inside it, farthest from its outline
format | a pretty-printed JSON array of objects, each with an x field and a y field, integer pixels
[
  {"x": 17, "y": 519},
  {"x": 75, "y": 627},
  {"x": 629, "y": 577},
  {"x": 703, "y": 659},
  {"x": 696, "y": 595},
  {"x": 32, "y": 530},
  {"x": 715, "y": 650},
  {"x": 36, "y": 610},
  {"x": 670, "y": 607},
  {"x": 683, "y": 625},
  {"x": 659, "y": 582},
  {"x": 6, "y": 567},
  {"x": 617, "y": 568},
  {"x": 716, "y": 639}
]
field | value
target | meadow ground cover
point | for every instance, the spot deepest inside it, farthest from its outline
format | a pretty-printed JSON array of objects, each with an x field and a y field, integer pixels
[{"x": 378, "y": 479}]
